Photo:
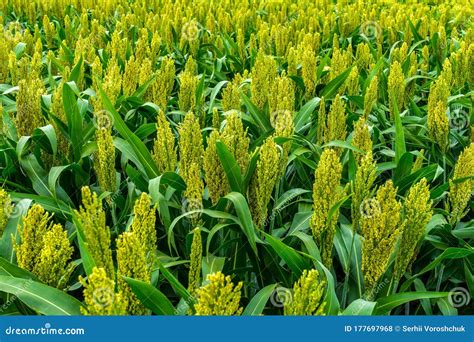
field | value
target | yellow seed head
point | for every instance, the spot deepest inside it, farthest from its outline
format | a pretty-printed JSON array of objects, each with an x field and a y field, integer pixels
[
  {"x": 396, "y": 87},
  {"x": 438, "y": 126},
  {"x": 104, "y": 163},
  {"x": 370, "y": 97},
  {"x": 264, "y": 72},
  {"x": 194, "y": 191},
  {"x": 418, "y": 164},
  {"x": 417, "y": 213},
  {"x": 336, "y": 122},
  {"x": 143, "y": 225},
  {"x": 326, "y": 192},
  {"x": 282, "y": 96},
  {"x": 236, "y": 139},
  {"x": 34, "y": 227},
  {"x": 28, "y": 103},
  {"x": 187, "y": 89},
  {"x": 231, "y": 95},
  {"x": 53, "y": 266},
  {"x": 163, "y": 86},
  {"x": 322, "y": 118},
  {"x": 100, "y": 298},
  {"x": 308, "y": 296},
  {"x": 164, "y": 149},
  {"x": 361, "y": 138},
  {"x": 264, "y": 180},
  {"x": 379, "y": 224},
  {"x": 308, "y": 70},
  {"x": 195, "y": 263},
  {"x": 91, "y": 216},
  {"x": 220, "y": 297},
  {"x": 190, "y": 145},
  {"x": 131, "y": 262},
  {"x": 216, "y": 178},
  {"x": 362, "y": 185},
  {"x": 6, "y": 208},
  {"x": 460, "y": 192}
]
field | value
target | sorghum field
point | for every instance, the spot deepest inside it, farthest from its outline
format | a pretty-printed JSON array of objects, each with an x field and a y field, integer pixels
[{"x": 269, "y": 157}]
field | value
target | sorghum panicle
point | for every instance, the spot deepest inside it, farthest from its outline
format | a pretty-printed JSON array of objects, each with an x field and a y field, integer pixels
[
  {"x": 264, "y": 180},
  {"x": 100, "y": 298},
  {"x": 164, "y": 147},
  {"x": 195, "y": 262},
  {"x": 91, "y": 217},
  {"x": 131, "y": 262},
  {"x": 379, "y": 222},
  {"x": 308, "y": 296},
  {"x": 460, "y": 192},
  {"x": 417, "y": 213},
  {"x": 220, "y": 297},
  {"x": 326, "y": 192}
]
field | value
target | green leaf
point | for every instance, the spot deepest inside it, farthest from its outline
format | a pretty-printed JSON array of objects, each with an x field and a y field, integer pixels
[
  {"x": 343, "y": 144},
  {"x": 449, "y": 253},
  {"x": 11, "y": 229},
  {"x": 230, "y": 166},
  {"x": 8, "y": 269},
  {"x": 359, "y": 307},
  {"x": 42, "y": 298},
  {"x": 257, "y": 303},
  {"x": 331, "y": 88},
  {"x": 74, "y": 119},
  {"x": 141, "y": 151},
  {"x": 176, "y": 285},
  {"x": 87, "y": 261},
  {"x": 400, "y": 147},
  {"x": 386, "y": 304},
  {"x": 243, "y": 213},
  {"x": 151, "y": 297},
  {"x": 303, "y": 117},
  {"x": 258, "y": 116},
  {"x": 295, "y": 261},
  {"x": 212, "y": 264}
]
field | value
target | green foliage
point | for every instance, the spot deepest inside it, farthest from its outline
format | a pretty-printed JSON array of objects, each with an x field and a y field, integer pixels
[{"x": 287, "y": 159}]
